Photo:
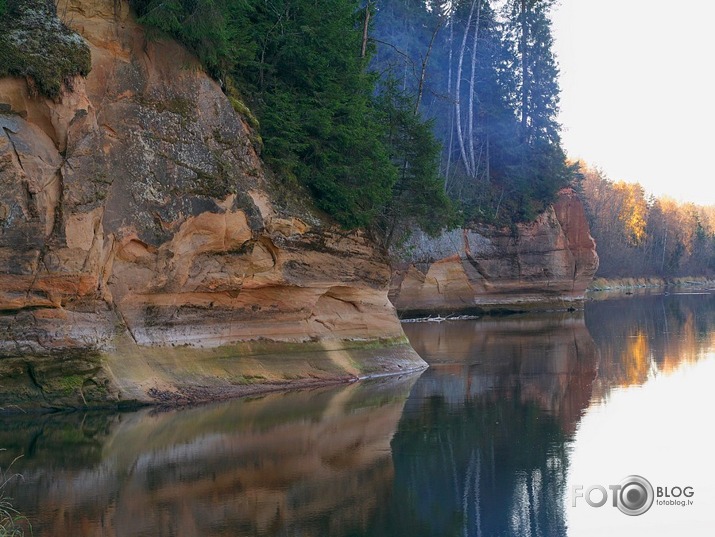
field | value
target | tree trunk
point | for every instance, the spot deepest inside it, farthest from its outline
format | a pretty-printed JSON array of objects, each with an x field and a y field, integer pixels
[
  {"x": 487, "y": 171},
  {"x": 423, "y": 71},
  {"x": 451, "y": 109},
  {"x": 665, "y": 242},
  {"x": 470, "y": 114},
  {"x": 524, "y": 71},
  {"x": 458, "y": 110},
  {"x": 365, "y": 27}
]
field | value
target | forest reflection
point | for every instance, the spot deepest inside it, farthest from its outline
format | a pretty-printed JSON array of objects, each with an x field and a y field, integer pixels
[
  {"x": 483, "y": 445},
  {"x": 477, "y": 445},
  {"x": 638, "y": 338}
]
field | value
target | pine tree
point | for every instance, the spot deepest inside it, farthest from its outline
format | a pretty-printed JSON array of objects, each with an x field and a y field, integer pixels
[
  {"x": 418, "y": 198},
  {"x": 542, "y": 168}
]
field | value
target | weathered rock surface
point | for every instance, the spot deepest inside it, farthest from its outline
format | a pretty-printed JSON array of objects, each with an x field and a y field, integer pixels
[
  {"x": 135, "y": 213},
  {"x": 541, "y": 265}
]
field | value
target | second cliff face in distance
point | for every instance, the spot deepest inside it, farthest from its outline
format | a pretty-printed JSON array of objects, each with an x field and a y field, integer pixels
[{"x": 546, "y": 264}]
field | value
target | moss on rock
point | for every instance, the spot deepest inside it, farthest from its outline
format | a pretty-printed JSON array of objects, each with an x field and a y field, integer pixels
[{"x": 35, "y": 44}]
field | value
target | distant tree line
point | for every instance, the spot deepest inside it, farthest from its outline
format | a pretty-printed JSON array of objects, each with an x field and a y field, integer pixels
[
  {"x": 638, "y": 235},
  {"x": 392, "y": 114}
]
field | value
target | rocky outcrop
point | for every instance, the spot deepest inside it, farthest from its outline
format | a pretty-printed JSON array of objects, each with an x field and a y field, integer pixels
[
  {"x": 135, "y": 214},
  {"x": 542, "y": 265}
]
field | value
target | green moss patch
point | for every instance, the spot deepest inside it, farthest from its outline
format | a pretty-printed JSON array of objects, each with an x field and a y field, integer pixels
[{"x": 35, "y": 44}]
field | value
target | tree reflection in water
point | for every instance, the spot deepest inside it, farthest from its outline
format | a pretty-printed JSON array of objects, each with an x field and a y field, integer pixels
[
  {"x": 477, "y": 445},
  {"x": 481, "y": 448}
]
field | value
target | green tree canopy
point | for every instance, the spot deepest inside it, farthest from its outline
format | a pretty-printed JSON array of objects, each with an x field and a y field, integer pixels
[
  {"x": 300, "y": 67},
  {"x": 491, "y": 89}
]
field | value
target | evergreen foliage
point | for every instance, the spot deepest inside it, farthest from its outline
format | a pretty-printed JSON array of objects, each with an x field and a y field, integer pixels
[
  {"x": 300, "y": 63},
  {"x": 362, "y": 132},
  {"x": 314, "y": 101},
  {"x": 202, "y": 25},
  {"x": 418, "y": 197},
  {"x": 492, "y": 92}
]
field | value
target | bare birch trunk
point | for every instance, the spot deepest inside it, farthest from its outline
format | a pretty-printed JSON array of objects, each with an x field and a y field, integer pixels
[
  {"x": 451, "y": 109},
  {"x": 458, "y": 110},
  {"x": 471, "y": 91}
]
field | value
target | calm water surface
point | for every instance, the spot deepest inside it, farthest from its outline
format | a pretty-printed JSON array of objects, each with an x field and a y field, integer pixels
[{"x": 490, "y": 440}]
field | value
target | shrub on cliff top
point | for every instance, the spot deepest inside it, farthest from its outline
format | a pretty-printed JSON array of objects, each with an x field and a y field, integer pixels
[
  {"x": 35, "y": 44},
  {"x": 307, "y": 83}
]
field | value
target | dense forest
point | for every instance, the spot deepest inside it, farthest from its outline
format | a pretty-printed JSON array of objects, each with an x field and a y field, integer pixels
[
  {"x": 397, "y": 114},
  {"x": 484, "y": 73},
  {"x": 642, "y": 236},
  {"x": 390, "y": 113}
]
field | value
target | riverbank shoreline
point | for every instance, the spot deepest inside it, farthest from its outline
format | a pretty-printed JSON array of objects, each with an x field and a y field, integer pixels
[
  {"x": 610, "y": 284},
  {"x": 132, "y": 376}
]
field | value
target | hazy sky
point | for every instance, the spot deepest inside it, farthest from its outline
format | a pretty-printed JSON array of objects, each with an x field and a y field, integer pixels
[{"x": 637, "y": 91}]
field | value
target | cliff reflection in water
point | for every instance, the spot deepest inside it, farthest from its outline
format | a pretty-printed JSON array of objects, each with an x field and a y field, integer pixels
[
  {"x": 305, "y": 463},
  {"x": 481, "y": 447},
  {"x": 479, "y": 444}
]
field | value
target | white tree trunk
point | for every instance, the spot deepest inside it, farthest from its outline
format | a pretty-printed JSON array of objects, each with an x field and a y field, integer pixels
[
  {"x": 451, "y": 109},
  {"x": 470, "y": 114},
  {"x": 458, "y": 84}
]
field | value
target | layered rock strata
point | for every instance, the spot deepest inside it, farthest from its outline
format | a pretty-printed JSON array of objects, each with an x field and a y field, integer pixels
[
  {"x": 142, "y": 254},
  {"x": 546, "y": 264}
]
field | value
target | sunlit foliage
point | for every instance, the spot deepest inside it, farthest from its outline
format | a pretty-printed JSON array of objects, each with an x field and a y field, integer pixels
[
  {"x": 632, "y": 210},
  {"x": 640, "y": 236}
]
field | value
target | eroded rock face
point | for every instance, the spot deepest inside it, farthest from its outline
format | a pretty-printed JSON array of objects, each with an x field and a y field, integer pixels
[
  {"x": 549, "y": 262},
  {"x": 134, "y": 212}
]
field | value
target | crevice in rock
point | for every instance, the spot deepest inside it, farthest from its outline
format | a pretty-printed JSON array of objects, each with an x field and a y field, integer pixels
[
  {"x": 30, "y": 202},
  {"x": 14, "y": 149},
  {"x": 58, "y": 212},
  {"x": 113, "y": 306},
  {"x": 470, "y": 258},
  {"x": 95, "y": 239},
  {"x": 267, "y": 243},
  {"x": 330, "y": 294}
]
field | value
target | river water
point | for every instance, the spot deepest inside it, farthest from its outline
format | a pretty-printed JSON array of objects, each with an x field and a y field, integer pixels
[{"x": 522, "y": 426}]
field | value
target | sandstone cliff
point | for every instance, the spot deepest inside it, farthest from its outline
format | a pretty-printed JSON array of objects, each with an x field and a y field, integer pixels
[
  {"x": 145, "y": 254},
  {"x": 544, "y": 264},
  {"x": 135, "y": 214}
]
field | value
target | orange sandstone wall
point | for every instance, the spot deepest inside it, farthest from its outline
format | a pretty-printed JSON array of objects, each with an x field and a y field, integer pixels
[
  {"x": 135, "y": 212},
  {"x": 541, "y": 265}
]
